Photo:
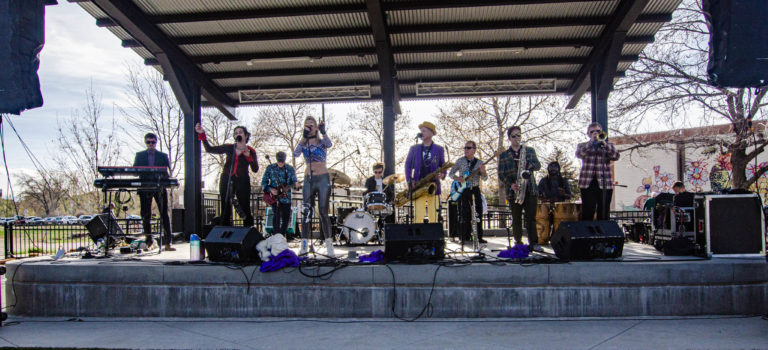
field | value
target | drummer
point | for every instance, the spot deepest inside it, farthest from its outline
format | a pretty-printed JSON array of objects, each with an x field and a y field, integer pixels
[
  {"x": 553, "y": 187},
  {"x": 376, "y": 183}
]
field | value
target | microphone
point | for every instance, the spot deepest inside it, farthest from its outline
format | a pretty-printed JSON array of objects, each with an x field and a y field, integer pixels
[
  {"x": 267, "y": 156},
  {"x": 419, "y": 135},
  {"x": 238, "y": 138},
  {"x": 358, "y": 150}
]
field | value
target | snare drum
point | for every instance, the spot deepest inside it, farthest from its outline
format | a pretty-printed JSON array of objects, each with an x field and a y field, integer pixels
[
  {"x": 359, "y": 227},
  {"x": 376, "y": 201}
]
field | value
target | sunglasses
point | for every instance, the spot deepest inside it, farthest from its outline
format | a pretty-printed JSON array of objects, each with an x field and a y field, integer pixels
[
  {"x": 594, "y": 131},
  {"x": 514, "y": 136},
  {"x": 150, "y": 142},
  {"x": 469, "y": 148},
  {"x": 378, "y": 172}
]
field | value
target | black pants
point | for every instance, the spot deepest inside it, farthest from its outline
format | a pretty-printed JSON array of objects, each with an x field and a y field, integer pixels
[
  {"x": 318, "y": 186},
  {"x": 241, "y": 189},
  {"x": 281, "y": 217},
  {"x": 529, "y": 206},
  {"x": 466, "y": 200},
  {"x": 593, "y": 198},
  {"x": 161, "y": 199}
]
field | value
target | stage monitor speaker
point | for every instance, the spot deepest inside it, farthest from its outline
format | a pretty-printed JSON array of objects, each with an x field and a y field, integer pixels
[
  {"x": 97, "y": 227},
  {"x": 729, "y": 225},
  {"x": 583, "y": 240},
  {"x": 414, "y": 242},
  {"x": 738, "y": 53},
  {"x": 22, "y": 35},
  {"x": 177, "y": 220},
  {"x": 233, "y": 244}
]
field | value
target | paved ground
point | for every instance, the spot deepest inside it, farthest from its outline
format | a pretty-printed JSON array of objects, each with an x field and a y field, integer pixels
[{"x": 683, "y": 333}]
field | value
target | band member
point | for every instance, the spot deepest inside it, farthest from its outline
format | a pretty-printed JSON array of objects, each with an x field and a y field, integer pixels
[
  {"x": 235, "y": 181},
  {"x": 376, "y": 183},
  {"x": 595, "y": 178},
  {"x": 471, "y": 195},
  {"x": 152, "y": 157},
  {"x": 278, "y": 179},
  {"x": 316, "y": 182},
  {"x": 423, "y": 160},
  {"x": 554, "y": 188},
  {"x": 520, "y": 197}
]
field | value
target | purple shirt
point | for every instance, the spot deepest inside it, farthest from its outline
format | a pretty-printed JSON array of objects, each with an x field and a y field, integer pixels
[
  {"x": 151, "y": 157},
  {"x": 435, "y": 158}
]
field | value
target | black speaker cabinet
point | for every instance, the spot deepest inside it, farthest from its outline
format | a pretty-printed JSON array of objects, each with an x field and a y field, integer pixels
[
  {"x": 233, "y": 244},
  {"x": 737, "y": 58},
  {"x": 97, "y": 228},
  {"x": 729, "y": 225},
  {"x": 583, "y": 240},
  {"x": 177, "y": 220},
  {"x": 414, "y": 242}
]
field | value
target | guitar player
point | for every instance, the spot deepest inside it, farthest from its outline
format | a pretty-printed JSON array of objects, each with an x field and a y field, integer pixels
[
  {"x": 277, "y": 182},
  {"x": 463, "y": 166}
]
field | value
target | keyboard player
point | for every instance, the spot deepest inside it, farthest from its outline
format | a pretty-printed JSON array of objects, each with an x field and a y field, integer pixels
[{"x": 152, "y": 157}]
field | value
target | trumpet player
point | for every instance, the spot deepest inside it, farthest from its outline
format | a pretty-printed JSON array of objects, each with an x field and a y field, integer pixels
[
  {"x": 595, "y": 178},
  {"x": 516, "y": 167}
]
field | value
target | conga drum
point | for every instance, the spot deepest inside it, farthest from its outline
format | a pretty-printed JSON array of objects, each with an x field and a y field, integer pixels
[
  {"x": 543, "y": 225},
  {"x": 565, "y": 211}
]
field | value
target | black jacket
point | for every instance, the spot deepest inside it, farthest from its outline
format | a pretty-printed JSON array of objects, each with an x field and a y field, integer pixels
[
  {"x": 142, "y": 159},
  {"x": 370, "y": 186}
]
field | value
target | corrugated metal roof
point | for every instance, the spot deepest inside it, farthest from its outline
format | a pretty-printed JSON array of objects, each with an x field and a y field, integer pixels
[{"x": 432, "y": 25}]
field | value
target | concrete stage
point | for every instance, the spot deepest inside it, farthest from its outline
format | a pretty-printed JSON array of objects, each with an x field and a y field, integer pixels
[{"x": 643, "y": 283}]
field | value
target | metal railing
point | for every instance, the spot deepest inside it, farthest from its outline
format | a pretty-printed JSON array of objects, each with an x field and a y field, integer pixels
[{"x": 24, "y": 240}]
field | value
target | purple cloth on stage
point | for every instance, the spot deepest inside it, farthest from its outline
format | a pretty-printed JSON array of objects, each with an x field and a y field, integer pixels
[
  {"x": 371, "y": 258},
  {"x": 519, "y": 251},
  {"x": 414, "y": 160},
  {"x": 286, "y": 258}
]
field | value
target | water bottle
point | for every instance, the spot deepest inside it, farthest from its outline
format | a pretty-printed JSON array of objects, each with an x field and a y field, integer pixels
[
  {"x": 99, "y": 244},
  {"x": 194, "y": 248}
]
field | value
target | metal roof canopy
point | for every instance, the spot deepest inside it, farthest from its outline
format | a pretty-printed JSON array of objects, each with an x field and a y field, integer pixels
[
  {"x": 234, "y": 47},
  {"x": 250, "y": 52}
]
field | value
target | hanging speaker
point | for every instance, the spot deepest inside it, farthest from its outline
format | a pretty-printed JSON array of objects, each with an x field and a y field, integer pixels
[
  {"x": 21, "y": 40},
  {"x": 738, "y": 51}
]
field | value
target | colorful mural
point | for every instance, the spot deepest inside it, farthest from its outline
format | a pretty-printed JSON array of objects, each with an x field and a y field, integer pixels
[
  {"x": 697, "y": 175},
  {"x": 659, "y": 182},
  {"x": 720, "y": 174}
]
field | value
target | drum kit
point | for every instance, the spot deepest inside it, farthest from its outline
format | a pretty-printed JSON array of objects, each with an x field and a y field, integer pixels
[{"x": 361, "y": 225}]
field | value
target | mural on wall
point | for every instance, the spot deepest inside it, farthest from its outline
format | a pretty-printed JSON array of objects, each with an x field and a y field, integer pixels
[
  {"x": 697, "y": 175},
  {"x": 762, "y": 182},
  {"x": 720, "y": 174},
  {"x": 659, "y": 182}
]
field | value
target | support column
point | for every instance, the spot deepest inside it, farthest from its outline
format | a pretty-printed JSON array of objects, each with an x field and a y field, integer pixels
[
  {"x": 599, "y": 105},
  {"x": 388, "y": 136},
  {"x": 193, "y": 191}
]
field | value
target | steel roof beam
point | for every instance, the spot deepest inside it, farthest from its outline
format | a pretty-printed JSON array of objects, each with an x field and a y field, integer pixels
[{"x": 132, "y": 20}]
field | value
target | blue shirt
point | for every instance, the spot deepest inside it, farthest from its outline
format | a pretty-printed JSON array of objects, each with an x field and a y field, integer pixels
[
  {"x": 275, "y": 176},
  {"x": 318, "y": 153}
]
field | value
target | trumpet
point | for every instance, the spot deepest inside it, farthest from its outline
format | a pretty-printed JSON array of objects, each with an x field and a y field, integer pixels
[{"x": 602, "y": 136}]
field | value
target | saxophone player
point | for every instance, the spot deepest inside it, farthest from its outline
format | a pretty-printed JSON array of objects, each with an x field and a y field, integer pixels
[
  {"x": 516, "y": 172},
  {"x": 424, "y": 159}
]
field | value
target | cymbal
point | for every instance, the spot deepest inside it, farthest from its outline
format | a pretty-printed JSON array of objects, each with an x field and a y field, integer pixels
[
  {"x": 338, "y": 178},
  {"x": 394, "y": 178}
]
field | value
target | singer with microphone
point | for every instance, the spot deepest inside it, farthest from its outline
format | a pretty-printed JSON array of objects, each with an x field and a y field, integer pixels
[
  {"x": 316, "y": 182},
  {"x": 235, "y": 180},
  {"x": 425, "y": 159},
  {"x": 596, "y": 175}
]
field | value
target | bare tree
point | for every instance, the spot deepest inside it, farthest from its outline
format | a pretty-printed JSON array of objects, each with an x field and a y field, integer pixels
[
  {"x": 485, "y": 121},
  {"x": 47, "y": 190},
  {"x": 670, "y": 81},
  {"x": 280, "y": 127},
  {"x": 86, "y": 140}
]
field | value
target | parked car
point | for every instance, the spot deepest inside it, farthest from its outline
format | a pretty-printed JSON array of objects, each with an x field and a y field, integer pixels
[
  {"x": 133, "y": 218},
  {"x": 69, "y": 220},
  {"x": 17, "y": 220},
  {"x": 50, "y": 220},
  {"x": 83, "y": 219},
  {"x": 35, "y": 221},
  {"x": 59, "y": 220}
]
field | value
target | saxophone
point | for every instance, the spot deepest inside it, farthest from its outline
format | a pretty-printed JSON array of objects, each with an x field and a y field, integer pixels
[
  {"x": 522, "y": 181},
  {"x": 423, "y": 187}
]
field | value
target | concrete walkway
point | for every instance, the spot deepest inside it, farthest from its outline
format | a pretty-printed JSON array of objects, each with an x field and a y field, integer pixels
[{"x": 653, "y": 333}]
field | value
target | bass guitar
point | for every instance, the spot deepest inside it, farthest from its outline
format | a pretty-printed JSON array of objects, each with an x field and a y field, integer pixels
[
  {"x": 271, "y": 199},
  {"x": 458, "y": 187}
]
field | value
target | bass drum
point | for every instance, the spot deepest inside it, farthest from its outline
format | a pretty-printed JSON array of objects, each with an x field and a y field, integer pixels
[{"x": 359, "y": 227}]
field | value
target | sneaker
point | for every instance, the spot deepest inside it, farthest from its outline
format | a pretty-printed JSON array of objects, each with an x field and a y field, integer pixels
[
  {"x": 482, "y": 241},
  {"x": 148, "y": 240},
  {"x": 168, "y": 248},
  {"x": 304, "y": 247},
  {"x": 329, "y": 248},
  {"x": 537, "y": 248}
]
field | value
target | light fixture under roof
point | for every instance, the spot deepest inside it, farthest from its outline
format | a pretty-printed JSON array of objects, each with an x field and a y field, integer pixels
[
  {"x": 481, "y": 87},
  {"x": 306, "y": 94},
  {"x": 281, "y": 59},
  {"x": 489, "y": 51}
]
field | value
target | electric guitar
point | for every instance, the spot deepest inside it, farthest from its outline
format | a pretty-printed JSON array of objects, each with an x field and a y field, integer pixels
[
  {"x": 457, "y": 188},
  {"x": 271, "y": 199}
]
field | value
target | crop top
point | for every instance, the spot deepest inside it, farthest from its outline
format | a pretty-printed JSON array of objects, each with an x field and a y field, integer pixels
[{"x": 318, "y": 153}]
